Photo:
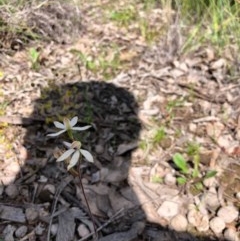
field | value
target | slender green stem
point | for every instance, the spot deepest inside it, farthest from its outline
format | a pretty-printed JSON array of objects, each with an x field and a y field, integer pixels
[
  {"x": 88, "y": 207},
  {"x": 70, "y": 134}
]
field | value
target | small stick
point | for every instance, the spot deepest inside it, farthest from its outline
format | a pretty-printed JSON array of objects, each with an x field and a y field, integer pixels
[{"x": 88, "y": 207}]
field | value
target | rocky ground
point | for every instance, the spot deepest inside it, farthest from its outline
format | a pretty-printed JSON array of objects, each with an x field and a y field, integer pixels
[{"x": 146, "y": 102}]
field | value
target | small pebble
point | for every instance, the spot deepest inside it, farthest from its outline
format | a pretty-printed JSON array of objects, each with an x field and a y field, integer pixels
[
  {"x": 51, "y": 188},
  {"x": 21, "y": 231},
  {"x": 179, "y": 223},
  {"x": 95, "y": 177},
  {"x": 82, "y": 230},
  {"x": 211, "y": 199},
  {"x": 238, "y": 196},
  {"x": 31, "y": 215},
  {"x": 8, "y": 233},
  {"x": 54, "y": 229},
  {"x": 99, "y": 149},
  {"x": 42, "y": 179},
  {"x": 209, "y": 182},
  {"x": 170, "y": 179},
  {"x": 12, "y": 191},
  {"x": 228, "y": 213},
  {"x": 198, "y": 220},
  {"x": 39, "y": 230},
  {"x": 231, "y": 234},
  {"x": 217, "y": 225},
  {"x": 168, "y": 209}
]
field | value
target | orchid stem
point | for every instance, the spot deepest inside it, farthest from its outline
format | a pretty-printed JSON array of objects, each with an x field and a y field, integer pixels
[{"x": 88, "y": 207}]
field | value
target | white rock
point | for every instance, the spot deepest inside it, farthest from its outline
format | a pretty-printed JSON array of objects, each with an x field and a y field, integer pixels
[
  {"x": 231, "y": 234},
  {"x": 12, "y": 191},
  {"x": 220, "y": 63},
  {"x": 8, "y": 233},
  {"x": 21, "y": 231},
  {"x": 228, "y": 213},
  {"x": 31, "y": 215},
  {"x": 204, "y": 224},
  {"x": 168, "y": 209},
  {"x": 217, "y": 225},
  {"x": 39, "y": 230},
  {"x": 82, "y": 230},
  {"x": 170, "y": 179},
  {"x": 198, "y": 220},
  {"x": 99, "y": 149},
  {"x": 211, "y": 199},
  {"x": 50, "y": 188},
  {"x": 192, "y": 127},
  {"x": 54, "y": 229},
  {"x": 179, "y": 223},
  {"x": 210, "y": 182},
  {"x": 238, "y": 196},
  {"x": 42, "y": 179}
]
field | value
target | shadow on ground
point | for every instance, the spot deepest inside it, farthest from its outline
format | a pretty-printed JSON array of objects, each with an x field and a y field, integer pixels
[{"x": 113, "y": 113}]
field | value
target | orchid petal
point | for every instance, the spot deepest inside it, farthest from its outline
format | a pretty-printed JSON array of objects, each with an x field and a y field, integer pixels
[
  {"x": 67, "y": 144},
  {"x": 81, "y": 128},
  {"x": 59, "y": 125},
  {"x": 87, "y": 155},
  {"x": 74, "y": 160},
  {"x": 65, "y": 155},
  {"x": 56, "y": 134},
  {"x": 73, "y": 121}
]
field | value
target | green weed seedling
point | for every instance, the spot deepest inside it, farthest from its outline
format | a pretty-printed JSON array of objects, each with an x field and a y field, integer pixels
[
  {"x": 156, "y": 179},
  {"x": 189, "y": 175},
  {"x": 101, "y": 64},
  {"x": 172, "y": 104},
  {"x": 124, "y": 16},
  {"x": 34, "y": 58},
  {"x": 149, "y": 33},
  {"x": 159, "y": 135}
]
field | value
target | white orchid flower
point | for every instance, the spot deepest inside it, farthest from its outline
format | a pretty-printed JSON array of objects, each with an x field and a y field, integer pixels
[
  {"x": 68, "y": 125},
  {"x": 75, "y": 151}
]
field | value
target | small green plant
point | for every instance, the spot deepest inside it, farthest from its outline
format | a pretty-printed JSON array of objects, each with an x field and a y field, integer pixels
[
  {"x": 172, "y": 104},
  {"x": 34, "y": 58},
  {"x": 143, "y": 144},
  {"x": 189, "y": 175},
  {"x": 149, "y": 33},
  {"x": 124, "y": 16},
  {"x": 101, "y": 64},
  {"x": 159, "y": 135},
  {"x": 149, "y": 4},
  {"x": 156, "y": 179}
]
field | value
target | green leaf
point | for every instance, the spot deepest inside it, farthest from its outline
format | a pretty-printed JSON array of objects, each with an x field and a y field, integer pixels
[
  {"x": 180, "y": 162},
  {"x": 210, "y": 174},
  {"x": 181, "y": 180},
  {"x": 157, "y": 179},
  {"x": 195, "y": 173},
  {"x": 199, "y": 186},
  {"x": 34, "y": 55}
]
